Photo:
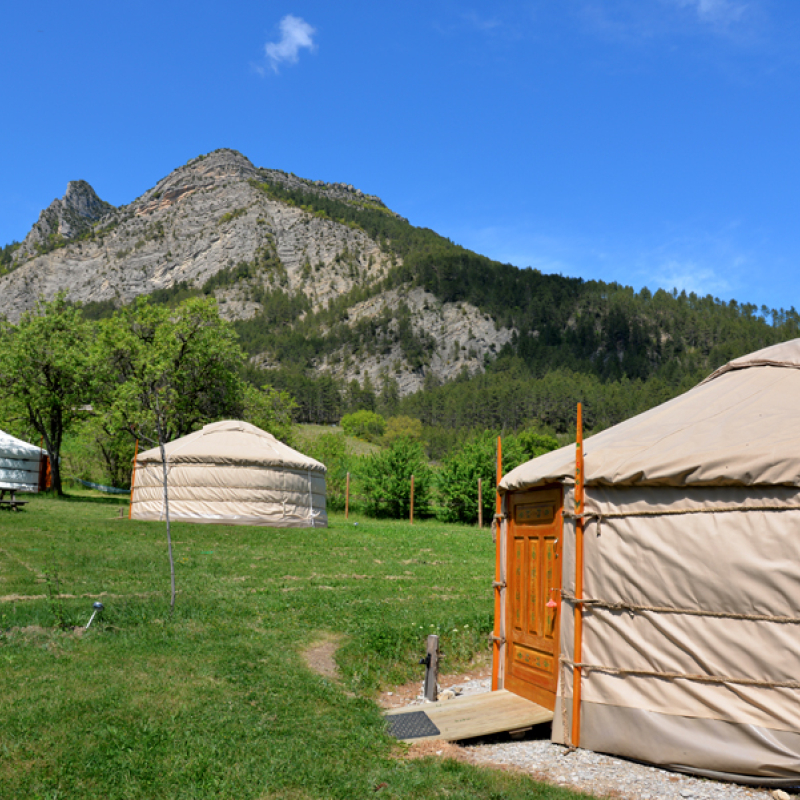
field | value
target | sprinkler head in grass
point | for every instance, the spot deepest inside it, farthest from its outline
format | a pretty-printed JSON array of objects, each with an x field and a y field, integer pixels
[{"x": 97, "y": 608}]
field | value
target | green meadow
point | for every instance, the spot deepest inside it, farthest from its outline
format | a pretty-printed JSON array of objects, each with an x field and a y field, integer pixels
[{"x": 217, "y": 701}]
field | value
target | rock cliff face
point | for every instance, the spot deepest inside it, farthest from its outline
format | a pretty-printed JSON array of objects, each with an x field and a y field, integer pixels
[{"x": 209, "y": 216}]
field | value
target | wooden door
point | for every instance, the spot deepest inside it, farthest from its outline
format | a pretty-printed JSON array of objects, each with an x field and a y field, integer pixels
[{"x": 533, "y": 576}]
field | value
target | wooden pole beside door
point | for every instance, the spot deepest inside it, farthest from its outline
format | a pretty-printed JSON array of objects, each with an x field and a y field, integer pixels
[
  {"x": 579, "y": 498},
  {"x": 347, "y": 497},
  {"x": 480, "y": 505},
  {"x": 497, "y": 573},
  {"x": 411, "y": 510}
]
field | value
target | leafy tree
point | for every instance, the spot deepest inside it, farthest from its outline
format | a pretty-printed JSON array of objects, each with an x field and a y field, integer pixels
[
  {"x": 169, "y": 369},
  {"x": 386, "y": 479},
  {"x": 112, "y": 446},
  {"x": 364, "y": 424},
  {"x": 270, "y": 410},
  {"x": 535, "y": 444},
  {"x": 46, "y": 372}
]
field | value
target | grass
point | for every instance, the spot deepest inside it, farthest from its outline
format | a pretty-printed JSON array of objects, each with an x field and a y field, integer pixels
[{"x": 217, "y": 702}]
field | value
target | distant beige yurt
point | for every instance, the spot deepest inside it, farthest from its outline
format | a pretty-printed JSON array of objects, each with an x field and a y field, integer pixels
[
  {"x": 21, "y": 465},
  {"x": 690, "y": 628},
  {"x": 231, "y": 473}
]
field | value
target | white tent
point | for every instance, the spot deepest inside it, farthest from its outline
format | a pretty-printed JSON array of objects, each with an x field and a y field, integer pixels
[
  {"x": 19, "y": 464},
  {"x": 234, "y": 473},
  {"x": 690, "y": 643}
]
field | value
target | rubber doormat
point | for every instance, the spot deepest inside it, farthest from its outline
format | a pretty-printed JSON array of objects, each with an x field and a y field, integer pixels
[{"x": 411, "y": 726}]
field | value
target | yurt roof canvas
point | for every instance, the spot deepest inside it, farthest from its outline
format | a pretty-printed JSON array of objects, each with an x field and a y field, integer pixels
[
  {"x": 19, "y": 464},
  {"x": 739, "y": 427},
  {"x": 233, "y": 472},
  {"x": 234, "y": 443}
]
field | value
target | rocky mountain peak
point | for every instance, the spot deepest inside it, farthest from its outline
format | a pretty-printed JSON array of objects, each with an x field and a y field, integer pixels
[
  {"x": 201, "y": 173},
  {"x": 64, "y": 219}
]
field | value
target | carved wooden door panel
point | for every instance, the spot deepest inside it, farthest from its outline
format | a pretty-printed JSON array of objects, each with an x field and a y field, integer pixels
[{"x": 533, "y": 578}]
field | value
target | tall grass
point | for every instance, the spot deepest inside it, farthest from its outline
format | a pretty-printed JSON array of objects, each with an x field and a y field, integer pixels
[{"x": 217, "y": 701}]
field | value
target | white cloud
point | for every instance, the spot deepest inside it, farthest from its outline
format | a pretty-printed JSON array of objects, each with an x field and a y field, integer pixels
[
  {"x": 689, "y": 276},
  {"x": 296, "y": 34},
  {"x": 717, "y": 12}
]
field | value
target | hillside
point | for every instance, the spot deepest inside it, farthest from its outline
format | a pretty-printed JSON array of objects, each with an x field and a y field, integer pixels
[{"x": 334, "y": 293}]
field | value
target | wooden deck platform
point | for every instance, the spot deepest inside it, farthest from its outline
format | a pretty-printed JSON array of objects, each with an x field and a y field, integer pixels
[{"x": 478, "y": 715}]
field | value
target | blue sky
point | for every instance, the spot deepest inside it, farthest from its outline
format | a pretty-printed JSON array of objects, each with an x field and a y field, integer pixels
[{"x": 649, "y": 142}]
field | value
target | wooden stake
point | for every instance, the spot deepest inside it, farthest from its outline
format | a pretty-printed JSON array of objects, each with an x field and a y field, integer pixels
[
  {"x": 347, "y": 497},
  {"x": 480, "y": 505},
  {"x": 411, "y": 512},
  {"x": 431, "y": 661},
  {"x": 579, "y": 498},
  {"x": 133, "y": 479},
  {"x": 497, "y": 574}
]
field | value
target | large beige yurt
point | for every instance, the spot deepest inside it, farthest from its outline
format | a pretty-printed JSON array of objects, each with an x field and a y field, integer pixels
[
  {"x": 689, "y": 629},
  {"x": 232, "y": 473}
]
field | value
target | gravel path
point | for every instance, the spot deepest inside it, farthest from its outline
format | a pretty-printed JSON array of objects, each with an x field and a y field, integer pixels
[{"x": 594, "y": 773}]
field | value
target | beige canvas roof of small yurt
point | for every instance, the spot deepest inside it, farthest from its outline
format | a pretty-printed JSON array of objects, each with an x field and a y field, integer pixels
[
  {"x": 234, "y": 443},
  {"x": 739, "y": 427}
]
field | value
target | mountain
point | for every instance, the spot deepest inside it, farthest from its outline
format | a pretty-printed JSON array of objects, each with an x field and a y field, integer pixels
[
  {"x": 219, "y": 215},
  {"x": 325, "y": 283}
]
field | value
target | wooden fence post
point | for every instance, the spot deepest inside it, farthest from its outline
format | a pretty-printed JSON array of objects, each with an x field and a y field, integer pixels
[
  {"x": 347, "y": 497},
  {"x": 480, "y": 505},
  {"x": 411, "y": 514},
  {"x": 431, "y": 661}
]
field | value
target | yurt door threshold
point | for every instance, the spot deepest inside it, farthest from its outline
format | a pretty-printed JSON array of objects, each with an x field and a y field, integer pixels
[{"x": 467, "y": 717}]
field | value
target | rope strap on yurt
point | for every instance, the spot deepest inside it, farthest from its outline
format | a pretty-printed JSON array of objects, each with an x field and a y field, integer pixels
[
  {"x": 694, "y": 612},
  {"x": 669, "y": 512},
  {"x": 687, "y": 676}
]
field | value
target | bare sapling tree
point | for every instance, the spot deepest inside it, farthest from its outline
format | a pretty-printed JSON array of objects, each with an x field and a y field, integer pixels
[{"x": 167, "y": 371}]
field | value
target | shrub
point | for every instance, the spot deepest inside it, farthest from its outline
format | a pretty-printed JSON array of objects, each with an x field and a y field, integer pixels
[
  {"x": 458, "y": 480},
  {"x": 386, "y": 479},
  {"x": 364, "y": 425},
  {"x": 402, "y": 426}
]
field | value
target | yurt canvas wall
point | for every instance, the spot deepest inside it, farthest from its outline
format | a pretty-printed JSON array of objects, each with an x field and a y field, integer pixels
[
  {"x": 19, "y": 464},
  {"x": 691, "y": 626},
  {"x": 234, "y": 473}
]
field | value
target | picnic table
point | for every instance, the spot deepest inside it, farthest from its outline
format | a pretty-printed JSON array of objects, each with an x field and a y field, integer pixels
[{"x": 12, "y": 503}]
